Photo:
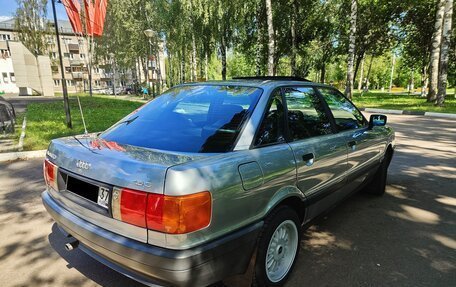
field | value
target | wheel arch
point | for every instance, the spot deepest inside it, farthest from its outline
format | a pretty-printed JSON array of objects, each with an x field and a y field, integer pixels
[{"x": 289, "y": 196}]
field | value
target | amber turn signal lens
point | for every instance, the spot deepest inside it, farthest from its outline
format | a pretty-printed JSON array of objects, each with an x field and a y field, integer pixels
[{"x": 179, "y": 214}]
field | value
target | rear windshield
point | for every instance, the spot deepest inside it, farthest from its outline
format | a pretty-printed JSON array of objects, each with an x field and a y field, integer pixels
[{"x": 201, "y": 118}]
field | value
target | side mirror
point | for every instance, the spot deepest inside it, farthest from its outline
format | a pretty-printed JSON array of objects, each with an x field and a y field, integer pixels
[{"x": 377, "y": 121}]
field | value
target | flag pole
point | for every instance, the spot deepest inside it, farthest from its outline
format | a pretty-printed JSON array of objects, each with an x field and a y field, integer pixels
[{"x": 64, "y": 86}]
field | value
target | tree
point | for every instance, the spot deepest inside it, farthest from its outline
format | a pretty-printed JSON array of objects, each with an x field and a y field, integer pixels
[
  {"x": 417, "y": 27},
  {"x": 30, "y": 22},
  {"x": 444, "y": 51},
  {"x": 435, "y": 52},
  {"x": 271, "y": 42},
  {"x": 351, "y": 50}
]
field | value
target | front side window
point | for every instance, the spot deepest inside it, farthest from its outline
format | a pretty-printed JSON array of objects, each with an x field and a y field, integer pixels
[
  {"x": 197, "y": 118},
  {"x": 271, "y": 128},
  {"x": 306, "y": 114},
  {"x": 345, "y": 114}
]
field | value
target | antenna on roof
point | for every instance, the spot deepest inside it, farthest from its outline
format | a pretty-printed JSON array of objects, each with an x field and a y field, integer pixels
[{"x": 82, "y": 116}]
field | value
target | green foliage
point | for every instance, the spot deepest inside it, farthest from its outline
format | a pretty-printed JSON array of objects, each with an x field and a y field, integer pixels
[
  {"x": 200, "y": 34},
  {"x": 402, "y": 102},
  {"x": 30, "y": 22}
]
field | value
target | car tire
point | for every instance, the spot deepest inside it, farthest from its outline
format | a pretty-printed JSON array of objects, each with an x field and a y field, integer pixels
[
  {"x": 378, "y": 184},
  {"x": 278, "y": 248}
]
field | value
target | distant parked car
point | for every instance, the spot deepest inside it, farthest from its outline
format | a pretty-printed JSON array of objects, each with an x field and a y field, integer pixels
[{"x": 198, "y": 183}]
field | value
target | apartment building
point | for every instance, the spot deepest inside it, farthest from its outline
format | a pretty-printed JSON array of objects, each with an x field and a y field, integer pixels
[{"x": 75, "y": 61}]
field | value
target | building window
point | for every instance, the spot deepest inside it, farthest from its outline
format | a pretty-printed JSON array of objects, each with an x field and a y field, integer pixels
[
  {"x": 66, "y": 55},
  {"x": 70, "y": 83},
  {"x": 67, "y": 69},
  {"x": 56, "y": 83},
  {"x": 82, "y": 56},
  {"x": 5, "y": 37},
  {"x": 13, "y": 78},
  {"x": 97, "y": 70},
  {"x": 72, "y": 56},
  {"x": 53, "y": 55},
  {"x": 4, "y": 53},
  {"x": 5, "y": 77},
  {"x": 97, "y": 82}
]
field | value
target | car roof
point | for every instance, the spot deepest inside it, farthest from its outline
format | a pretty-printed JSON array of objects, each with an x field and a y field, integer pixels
[{"x": 259, "y": 83}]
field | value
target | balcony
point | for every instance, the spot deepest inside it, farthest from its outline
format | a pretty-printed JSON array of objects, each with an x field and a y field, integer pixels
[
  {"x": 73, "y": 48},
  {"x": 76, "y": 62},
  {"x": 105, "y": 75},
  {"x": 77, "y": 75}
]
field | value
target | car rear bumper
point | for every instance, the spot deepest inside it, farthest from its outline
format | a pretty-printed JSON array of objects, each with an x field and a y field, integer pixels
[{"x": 198, "y": 266}]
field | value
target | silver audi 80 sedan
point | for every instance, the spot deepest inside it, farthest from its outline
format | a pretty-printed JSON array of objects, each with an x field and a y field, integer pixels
[{"x": 209, "y": 178}]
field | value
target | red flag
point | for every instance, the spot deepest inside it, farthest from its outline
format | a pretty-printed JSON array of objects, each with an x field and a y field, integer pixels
[
  {"x": 100, "y": 14},
  {"x": 89, "y": 11},
  {"x": 73, "y": 8}
]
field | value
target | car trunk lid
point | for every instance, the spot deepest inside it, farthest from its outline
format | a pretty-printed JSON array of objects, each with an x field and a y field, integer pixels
[{"x": 114, "y": 164}]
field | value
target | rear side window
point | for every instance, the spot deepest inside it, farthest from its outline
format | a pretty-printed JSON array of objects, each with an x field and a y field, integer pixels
[
  {"x": 306, "y": 114},
  {"x": 345, "y": 114},
  {"x": 200, "y": 118},
  {"x": 271, "y": 130}
]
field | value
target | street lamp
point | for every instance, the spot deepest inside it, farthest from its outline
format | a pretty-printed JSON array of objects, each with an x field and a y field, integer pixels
[
  {"x": 113, "y": 67},
  {"x": 150, "y": 34}
]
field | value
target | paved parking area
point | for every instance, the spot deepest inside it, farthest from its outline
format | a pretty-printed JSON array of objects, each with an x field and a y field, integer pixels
[{"x": 405, "y": 238}]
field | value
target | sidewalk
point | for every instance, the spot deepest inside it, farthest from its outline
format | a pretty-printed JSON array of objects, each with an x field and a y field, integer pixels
[{"x": 405, "y": 112}]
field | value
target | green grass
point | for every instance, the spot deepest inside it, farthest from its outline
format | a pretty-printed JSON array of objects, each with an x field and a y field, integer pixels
[
  {"x": 46, "y": 121},
  {"x": 403, "y": 102}
]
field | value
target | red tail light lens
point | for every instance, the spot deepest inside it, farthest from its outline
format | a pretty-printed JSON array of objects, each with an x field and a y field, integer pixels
[
  {"x": 133, "y": 207},
  {"x": 168, "y": 214},
  {"x": 50, "y": 174}
]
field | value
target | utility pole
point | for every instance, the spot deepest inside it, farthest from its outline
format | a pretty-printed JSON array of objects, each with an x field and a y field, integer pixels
[{"x": 62, "y": 71}]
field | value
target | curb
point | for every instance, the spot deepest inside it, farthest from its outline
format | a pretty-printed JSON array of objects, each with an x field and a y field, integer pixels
[
  {"x": 405, "y": 112},
  {"x": 20, "y": 145},
  {"x": 22, "y": 155}
]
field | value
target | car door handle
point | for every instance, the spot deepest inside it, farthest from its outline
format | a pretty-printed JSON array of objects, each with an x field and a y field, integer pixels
[{"x": 308, "y": 158}]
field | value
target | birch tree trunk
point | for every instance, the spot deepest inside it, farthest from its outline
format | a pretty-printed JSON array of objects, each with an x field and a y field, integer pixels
[
  {"x": 259, "y": 39},
  {"x": 392, "y": 74},
  {"x": 351, "y": 49},
  {"x": 368, "y": 73},
  {"x": 205, "y": 65},
  {"x": 361, "y": 75},
  {"x": 293, "y": 41},
  {"x": 444, "y": 52},
  {"x": 424, "y": 81},
  {"x": 271, "y": 46},
  {"x": 193, "y": 58},
  {"x": 435, "y": 51},
  {"x": 223, "y": 54}
]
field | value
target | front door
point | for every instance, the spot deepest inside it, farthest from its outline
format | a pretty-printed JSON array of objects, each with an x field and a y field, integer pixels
[{"x": 363, "y": 147}]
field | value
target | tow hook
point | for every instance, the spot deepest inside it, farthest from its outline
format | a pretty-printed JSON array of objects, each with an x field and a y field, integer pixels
[{"x": 71, "y": 245}]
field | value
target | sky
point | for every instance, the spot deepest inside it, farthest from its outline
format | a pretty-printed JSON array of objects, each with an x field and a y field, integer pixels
[{"x": 8, "y": 8}]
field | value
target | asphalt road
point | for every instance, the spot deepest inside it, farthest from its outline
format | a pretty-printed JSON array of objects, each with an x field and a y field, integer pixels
[{"x": 405, "y": 238}]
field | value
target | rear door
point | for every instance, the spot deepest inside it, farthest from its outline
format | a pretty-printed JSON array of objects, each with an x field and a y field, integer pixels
[
  {"x": 363, "y": 145},
  {"x": 320, "y": 153}
]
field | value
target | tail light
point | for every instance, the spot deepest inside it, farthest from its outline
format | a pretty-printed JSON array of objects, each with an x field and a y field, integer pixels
[
  {"x": 168, "y": 214},
  {"x": 50, "y": 174}
]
